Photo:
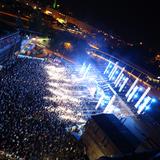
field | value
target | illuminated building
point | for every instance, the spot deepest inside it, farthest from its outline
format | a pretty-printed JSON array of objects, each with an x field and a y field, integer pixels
[{"x": 125, "y": 83}]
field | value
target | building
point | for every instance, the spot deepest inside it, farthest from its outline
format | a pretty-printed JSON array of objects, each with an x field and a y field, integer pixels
[{"x": 105, "y": 135}]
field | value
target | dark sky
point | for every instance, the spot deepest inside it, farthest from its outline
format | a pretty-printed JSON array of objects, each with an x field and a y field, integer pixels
[{"x": 132, "y": 20}]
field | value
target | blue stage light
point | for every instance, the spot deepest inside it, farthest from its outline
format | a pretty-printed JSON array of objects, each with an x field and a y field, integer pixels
[
  {"x": 113, "y": 78},
  {"x": 102, "y": 104},
  {"x": 136, "y": 96},
  {"x": 107, "y": 72},
  {"x": 116, "y": 72},
  {"x": 147, "y": 108},
  {"x": 123, "y": 78},
  {"x": 145, "y": 103},
  {"x": 140, "y": 88},
  {"x": 153, "y": 100}
]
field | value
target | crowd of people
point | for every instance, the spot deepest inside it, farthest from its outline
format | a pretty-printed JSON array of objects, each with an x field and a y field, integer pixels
[{"x": 31, "y": 126}]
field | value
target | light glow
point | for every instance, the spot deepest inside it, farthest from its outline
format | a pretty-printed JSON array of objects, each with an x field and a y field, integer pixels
[
  {"x": 124, "y": 83},
  {"x": 113, "y": 73},
  {"x": 48, "y": 12},
  {"x": 113, "y": 70},
  {"x": 144, "y": 104},
  {"x": 131, "y": 88},
  {"x": 87, "y": 70},
  {"x": 142, "y": 97},
  {"x": 132, "y": 93},
  {"x": 107, "y": 67},
  {"x": 99, "y": 102},
  {"x": 110, "y": 103},
  {"x": 119, "y": 75}
]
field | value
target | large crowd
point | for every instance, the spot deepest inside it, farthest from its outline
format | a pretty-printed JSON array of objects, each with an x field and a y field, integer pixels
[{"x": 31, "y": 126}]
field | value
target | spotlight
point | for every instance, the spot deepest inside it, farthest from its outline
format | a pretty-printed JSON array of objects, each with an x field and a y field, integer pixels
[
  {"x": 153, "y": 100},
  {"x": 140, "y": 88},
  {"x": 117, "y": 72},
  {"x": 123, "y": 78},
  {"x": 147, "y": 108},
  {"x": 136, "y": 96}
]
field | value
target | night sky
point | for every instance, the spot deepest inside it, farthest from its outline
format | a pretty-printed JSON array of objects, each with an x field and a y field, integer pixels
[{"x": 133, "y": 21}]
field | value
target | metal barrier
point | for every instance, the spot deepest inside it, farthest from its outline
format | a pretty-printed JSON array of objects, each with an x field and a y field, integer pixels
[
  {"x": 8, "y": 40},
  {"x": 8, "y": 46}
]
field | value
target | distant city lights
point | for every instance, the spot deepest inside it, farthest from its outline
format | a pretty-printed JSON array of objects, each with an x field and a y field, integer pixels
[
  {"x": 35, "y": 7},
  {"x": 68, "y": 45},
  {"x": 48, "y": 12}
]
